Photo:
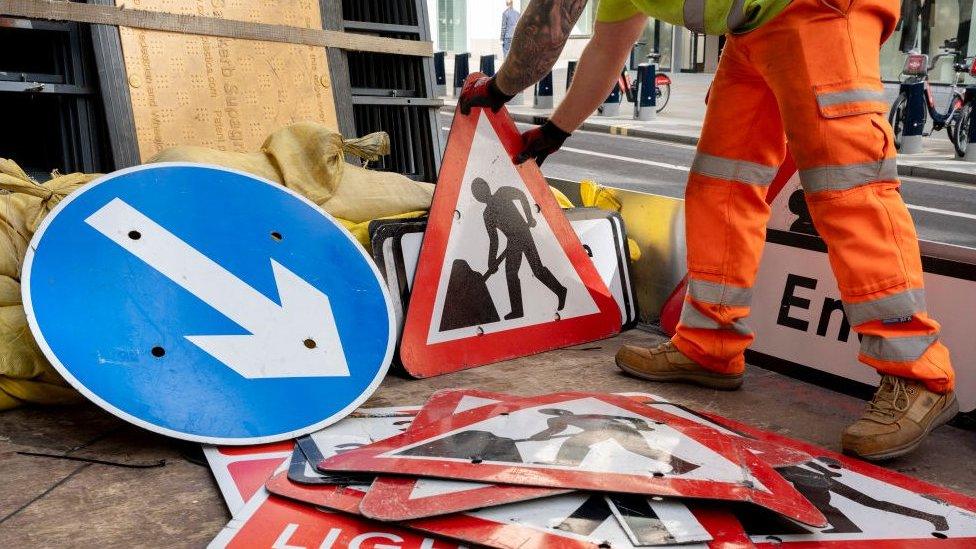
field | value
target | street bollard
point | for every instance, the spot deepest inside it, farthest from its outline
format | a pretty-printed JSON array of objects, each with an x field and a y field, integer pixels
[
  {"x": 570, "y": 71},
  {"x": 611, "y": 107},
  {"x": 440, "y": 75},
  {"x": 543, "y": 92},
  {"x": 971, "y": 146},
  {"x": 914, "y": 124},
  {"x": 488, "y": 65},
  {"x": 461, "y": 71},
  {"x": 647, "y": 91}
]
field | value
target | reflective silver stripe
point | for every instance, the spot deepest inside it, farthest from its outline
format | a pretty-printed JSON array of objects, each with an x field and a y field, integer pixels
[
  {"x": 841, "y": 178},
  {"x": 901, "y": 305},
  {"x": 694, "y": 14},
  {"x": 719, "y": 294},
  {"x": 736, "y": 16},
  {"x": 849, "y": 96},
  {"x": 733, "y": 170},
  {"x": 896, "y": 349},
  {"x": 691, "y": 317}
]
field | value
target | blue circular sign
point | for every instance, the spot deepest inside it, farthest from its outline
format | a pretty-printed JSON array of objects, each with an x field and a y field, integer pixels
[{"x": 208, "y": 305}]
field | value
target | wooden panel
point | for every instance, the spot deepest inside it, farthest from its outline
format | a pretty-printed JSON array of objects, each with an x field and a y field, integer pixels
[{"x": 224, "y": 93}]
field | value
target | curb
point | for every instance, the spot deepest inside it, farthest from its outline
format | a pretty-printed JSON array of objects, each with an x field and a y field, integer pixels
[{"x": 905, "y": 170}]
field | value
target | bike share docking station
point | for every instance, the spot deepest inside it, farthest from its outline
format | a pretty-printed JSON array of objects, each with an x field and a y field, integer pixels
[
  {"x": 646, "y": 92},
  {"x": 911, "y": 142}
]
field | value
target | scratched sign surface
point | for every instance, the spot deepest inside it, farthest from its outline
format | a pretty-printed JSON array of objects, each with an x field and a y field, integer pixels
[{"x": 224, "y": 93}]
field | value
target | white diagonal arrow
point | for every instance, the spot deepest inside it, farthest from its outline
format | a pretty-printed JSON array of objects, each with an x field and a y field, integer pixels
[{"x": 295, "y": 339}]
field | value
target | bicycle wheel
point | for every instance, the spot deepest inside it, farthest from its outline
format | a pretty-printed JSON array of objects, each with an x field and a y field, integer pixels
[
  {"x": 663, "y": 94},
  {"x": 896, "y": 117},
  {"x": 966, "y": 116}
]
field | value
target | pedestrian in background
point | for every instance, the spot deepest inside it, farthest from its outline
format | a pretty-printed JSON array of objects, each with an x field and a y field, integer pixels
[{"x": 510, "y": 19}]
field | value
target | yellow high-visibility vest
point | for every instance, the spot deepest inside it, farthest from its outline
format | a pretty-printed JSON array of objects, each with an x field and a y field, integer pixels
[{"x": 704, "y": 16}]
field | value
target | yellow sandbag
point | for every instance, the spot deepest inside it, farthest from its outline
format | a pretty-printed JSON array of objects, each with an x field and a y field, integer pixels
[
  {"x": 310, "y": 159},
  {"x": 595, "y": 195},
  {"x": 25, "y": 375}
]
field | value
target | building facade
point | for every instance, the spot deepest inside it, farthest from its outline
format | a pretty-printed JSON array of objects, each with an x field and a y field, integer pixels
[{"x": 474, "y": 26}]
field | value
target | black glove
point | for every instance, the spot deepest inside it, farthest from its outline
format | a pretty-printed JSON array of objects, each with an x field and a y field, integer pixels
[
  {"x": 539, "y": 143},
  {"x": 482, "y": 92}
]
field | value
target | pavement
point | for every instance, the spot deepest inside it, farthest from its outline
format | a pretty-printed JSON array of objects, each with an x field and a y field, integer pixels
[
  {"x": 49, "y": 502},
  {"x": 682, "y": 118}
]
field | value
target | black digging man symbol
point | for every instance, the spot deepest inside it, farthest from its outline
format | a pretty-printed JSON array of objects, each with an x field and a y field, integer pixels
[
  {"x": 819, "y": 484},
  {"x": 469, "y": 302},
  {"x": 591, "y": 429}
]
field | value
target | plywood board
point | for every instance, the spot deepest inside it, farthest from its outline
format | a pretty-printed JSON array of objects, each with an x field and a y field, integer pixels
[{"x": 222, "y": 93}]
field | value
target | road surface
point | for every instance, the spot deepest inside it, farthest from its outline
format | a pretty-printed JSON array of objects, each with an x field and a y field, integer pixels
[{"x": 943, "y": 211}]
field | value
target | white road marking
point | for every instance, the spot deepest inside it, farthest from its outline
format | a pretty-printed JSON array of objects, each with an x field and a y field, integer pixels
[
  {"x": 941, "y": 212},
  {"x": 626, "y": 159}
]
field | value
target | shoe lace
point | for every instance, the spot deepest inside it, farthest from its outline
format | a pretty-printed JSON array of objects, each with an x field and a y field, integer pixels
[
  {"x": 891, "y": 399},
  {"x": 666, "y": 347}
]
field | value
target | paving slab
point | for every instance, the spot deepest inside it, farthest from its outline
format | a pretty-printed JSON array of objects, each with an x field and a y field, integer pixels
[{"x": 49, "y": 502}]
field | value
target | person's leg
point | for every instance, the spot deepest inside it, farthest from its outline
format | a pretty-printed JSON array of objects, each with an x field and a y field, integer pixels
[
  {"x": 741, "y": 148},
  {"x": 513, "y": 262},
  {"x": 544, "y": 275},
  {"x": 822, "y": 61}
]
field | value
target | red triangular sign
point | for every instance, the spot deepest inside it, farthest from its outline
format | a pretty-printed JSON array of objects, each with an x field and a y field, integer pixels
[{"x": 501, "y": 272}]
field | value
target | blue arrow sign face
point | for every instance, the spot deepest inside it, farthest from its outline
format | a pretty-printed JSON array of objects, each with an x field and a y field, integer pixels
[{"x": 207, "y": 304}]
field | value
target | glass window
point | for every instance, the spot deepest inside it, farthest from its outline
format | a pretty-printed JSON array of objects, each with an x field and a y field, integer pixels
[{"x": 452, "y": 25}]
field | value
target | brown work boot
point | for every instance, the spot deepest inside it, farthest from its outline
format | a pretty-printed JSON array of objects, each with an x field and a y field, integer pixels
[
  {"x": 667, "y": 364},
  {"x": 902, "y": 412}
]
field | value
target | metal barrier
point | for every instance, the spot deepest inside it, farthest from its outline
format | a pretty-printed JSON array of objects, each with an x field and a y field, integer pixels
[
  {"x": 543, "y": 92},
  {"x": 440, "y": 74},
  {"x": 487, "y": 65},
  {"x": 646, "y": 91},
  {"x": 461, "y": 71}
]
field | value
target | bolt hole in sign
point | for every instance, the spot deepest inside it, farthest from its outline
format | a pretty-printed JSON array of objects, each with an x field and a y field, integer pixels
[
  {"x": 501, "y": 272},
  {"x": 157, "y": 292}
]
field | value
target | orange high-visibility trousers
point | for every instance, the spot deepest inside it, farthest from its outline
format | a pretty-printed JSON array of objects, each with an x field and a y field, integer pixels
[{"x": 808, "y": 79}]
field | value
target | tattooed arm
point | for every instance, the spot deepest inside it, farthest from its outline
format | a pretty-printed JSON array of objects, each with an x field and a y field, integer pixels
[{"x": 539, "y": 38}]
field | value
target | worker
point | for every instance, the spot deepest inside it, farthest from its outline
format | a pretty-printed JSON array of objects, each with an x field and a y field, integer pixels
[{"x": 802, "y": 74}]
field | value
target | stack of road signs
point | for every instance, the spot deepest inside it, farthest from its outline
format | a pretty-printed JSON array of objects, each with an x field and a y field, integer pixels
[
  {"x": 430, "y": 479},
  {"x": 252, "y": 320},
  {"x": 501, "y": 273},
  {"x": 396, "y": 250}
]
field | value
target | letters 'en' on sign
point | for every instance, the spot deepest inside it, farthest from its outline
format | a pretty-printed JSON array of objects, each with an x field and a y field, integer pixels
[
  {"x": 207, "y": 304},
  {"x": 501, "y": 272},
  {"x": 584, "y": 441}
]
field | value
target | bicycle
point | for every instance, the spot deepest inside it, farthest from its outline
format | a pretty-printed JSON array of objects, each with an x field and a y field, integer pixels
[
  {"x": 967, "y": 114},
  {"x": 916, "y": 70},
  {"x": 630, "y": 86}
]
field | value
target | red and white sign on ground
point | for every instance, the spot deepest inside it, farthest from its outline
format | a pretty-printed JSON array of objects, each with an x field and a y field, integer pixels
[
  {"x": 501, "y": 273},
  {"x": 584, "y": 441},
  {"x": 866, "y": 506},
  {"x": 269, "y": 521},
  {"x": 241, "y": 471},
  {"x": 569, "y": 521},
  {"x": 406, "y": 498}
]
